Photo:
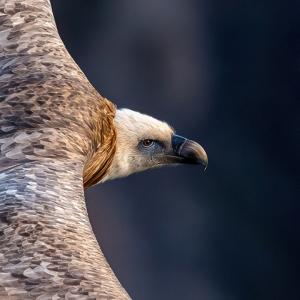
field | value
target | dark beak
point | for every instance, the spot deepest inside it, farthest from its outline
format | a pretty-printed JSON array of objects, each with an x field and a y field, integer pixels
[{"x": 187, "y": 151}]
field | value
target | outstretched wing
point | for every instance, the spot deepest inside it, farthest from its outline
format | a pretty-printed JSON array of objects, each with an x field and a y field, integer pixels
[
  {"x": 42, "y": 88},
  {"x": 53, "y": 127}
]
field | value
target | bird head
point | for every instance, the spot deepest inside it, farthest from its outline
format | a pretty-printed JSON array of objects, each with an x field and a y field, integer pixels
[{"x": 144, "y": 142}]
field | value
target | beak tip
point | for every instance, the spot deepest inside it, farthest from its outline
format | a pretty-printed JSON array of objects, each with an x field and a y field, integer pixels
[
  {"x": 189, "y": 151},
  {"x": 195, "y": 154},
  {"x": 205, "y": 164},
  {"x": 203, "y": 160}
]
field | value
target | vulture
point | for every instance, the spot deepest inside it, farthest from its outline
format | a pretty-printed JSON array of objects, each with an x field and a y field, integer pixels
[{"x": 58, "y": 136}]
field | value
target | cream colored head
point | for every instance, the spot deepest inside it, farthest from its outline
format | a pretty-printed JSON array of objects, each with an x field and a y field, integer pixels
[{"x": 144, "y": 142}]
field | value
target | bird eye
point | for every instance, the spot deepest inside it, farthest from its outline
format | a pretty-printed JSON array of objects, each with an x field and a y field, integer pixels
[{"x": 147, "y": 143}]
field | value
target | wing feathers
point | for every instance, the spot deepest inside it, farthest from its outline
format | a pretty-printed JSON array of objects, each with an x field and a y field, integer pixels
[
  {"x": 54, "y": 127},
  {"x": 46, "y": 242}
]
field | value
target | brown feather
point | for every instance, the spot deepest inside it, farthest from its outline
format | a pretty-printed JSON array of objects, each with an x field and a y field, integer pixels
[
  {"x": 56, "y": 132},
  {"x": 102, "y": 156}
]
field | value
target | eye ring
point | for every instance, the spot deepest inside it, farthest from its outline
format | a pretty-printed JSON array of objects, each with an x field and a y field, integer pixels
[{"x": 147, "y": 143}]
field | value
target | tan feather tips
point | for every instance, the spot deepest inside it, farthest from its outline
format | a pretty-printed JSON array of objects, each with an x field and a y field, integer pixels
[{"x": 104, "y": 146}]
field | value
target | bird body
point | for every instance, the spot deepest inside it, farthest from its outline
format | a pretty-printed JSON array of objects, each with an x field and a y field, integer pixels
[{"x": 57, "y": 137}]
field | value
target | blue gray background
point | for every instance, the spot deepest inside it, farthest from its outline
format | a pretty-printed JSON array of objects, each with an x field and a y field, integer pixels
[{"x": 225, "y": 73}]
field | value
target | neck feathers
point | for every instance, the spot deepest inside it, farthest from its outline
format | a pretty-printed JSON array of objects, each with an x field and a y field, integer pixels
[{"x": 104, "y": 146}]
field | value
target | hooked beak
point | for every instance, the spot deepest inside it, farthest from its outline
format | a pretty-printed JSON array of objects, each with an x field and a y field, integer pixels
[{"x": 188, "y": 152}]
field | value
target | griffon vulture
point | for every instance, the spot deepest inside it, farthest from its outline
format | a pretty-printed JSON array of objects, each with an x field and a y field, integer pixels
[{"x": 57, "y": 137}]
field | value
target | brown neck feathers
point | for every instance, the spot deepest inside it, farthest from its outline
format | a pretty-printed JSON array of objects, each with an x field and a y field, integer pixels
[{"x": 104, "y": 140}]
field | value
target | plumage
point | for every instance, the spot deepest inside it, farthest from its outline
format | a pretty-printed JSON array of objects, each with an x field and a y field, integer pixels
[
  {"x": 52, "y": 124},
  {"x": 57, "y": 136}
]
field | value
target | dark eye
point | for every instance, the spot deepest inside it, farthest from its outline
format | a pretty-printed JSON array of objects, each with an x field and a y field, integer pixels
[{"x": 147, "y": 143}]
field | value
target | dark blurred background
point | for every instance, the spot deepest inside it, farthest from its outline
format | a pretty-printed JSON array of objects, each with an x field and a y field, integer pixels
[{"x": 225, "y": 73}]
